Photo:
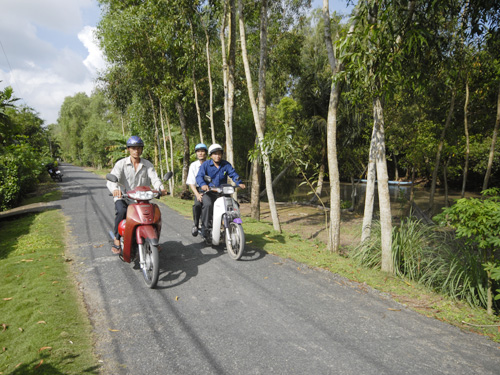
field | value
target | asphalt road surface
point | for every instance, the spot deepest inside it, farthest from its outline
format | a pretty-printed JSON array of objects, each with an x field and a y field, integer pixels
[{"x": 260, "y": 315}]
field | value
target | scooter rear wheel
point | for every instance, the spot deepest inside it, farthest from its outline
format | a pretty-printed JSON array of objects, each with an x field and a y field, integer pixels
[
  {"x": 151, "y": 268},
  {"x": 235, "y": 241}
]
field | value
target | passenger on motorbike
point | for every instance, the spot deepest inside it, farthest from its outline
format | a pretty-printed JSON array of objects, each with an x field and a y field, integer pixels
[
  {"x": 131, "y": 171},
  {"x": 218, "y": 170},
  {"x": 201, "y": 155}
]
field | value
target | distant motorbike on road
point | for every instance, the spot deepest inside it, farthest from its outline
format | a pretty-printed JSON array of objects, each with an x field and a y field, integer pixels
[
  {"x": 226, "y": 220},
  {"x": 54, "y": 172},
  {"x": 140, "y": 230}
]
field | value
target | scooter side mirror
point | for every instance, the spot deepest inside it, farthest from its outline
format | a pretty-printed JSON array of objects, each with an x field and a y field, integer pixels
[
  {"x": 207, "y": 179},
  {"x": 168, "y": 176},
  {"x": 111, "y": 177}
]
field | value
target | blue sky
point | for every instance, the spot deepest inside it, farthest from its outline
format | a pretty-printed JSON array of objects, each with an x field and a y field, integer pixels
[{"x": 47, "y": 51}]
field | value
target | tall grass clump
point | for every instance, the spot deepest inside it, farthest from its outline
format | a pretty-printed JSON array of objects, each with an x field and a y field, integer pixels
[{"x": 433, "y": 258}]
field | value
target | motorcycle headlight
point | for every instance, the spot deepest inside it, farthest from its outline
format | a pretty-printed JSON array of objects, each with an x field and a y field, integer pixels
[
  {"x": 142, "y": 195},
  {"x": 228, "y": 190}
]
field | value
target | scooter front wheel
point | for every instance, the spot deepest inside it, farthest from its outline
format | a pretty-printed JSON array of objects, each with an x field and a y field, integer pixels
[
  {"x": 235, "y": 240},
  {"x": 151, "y": 266}
]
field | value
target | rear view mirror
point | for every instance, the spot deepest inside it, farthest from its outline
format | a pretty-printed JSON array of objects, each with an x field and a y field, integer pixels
[
  {"x": 207, "y": 179},
  {"x": 168, "y": 176},
  {"x": 111, "y": 177}
]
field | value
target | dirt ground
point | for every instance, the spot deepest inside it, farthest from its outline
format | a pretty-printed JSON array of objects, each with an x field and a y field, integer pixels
[{"x": 309, "y": 221}]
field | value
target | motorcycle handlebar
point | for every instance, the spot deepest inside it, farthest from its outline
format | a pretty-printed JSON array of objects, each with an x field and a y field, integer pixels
[
  {"x": 157, "y": 194},
  {"x": 216, "y": 189}
]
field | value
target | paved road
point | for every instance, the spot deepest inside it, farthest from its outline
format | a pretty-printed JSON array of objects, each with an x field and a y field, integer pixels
[{"x": 260, "y": 315}]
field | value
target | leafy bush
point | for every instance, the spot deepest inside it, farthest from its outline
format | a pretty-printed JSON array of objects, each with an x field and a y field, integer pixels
[
  {"x": 430, "y": 257},
  {"x": 477, "y": 222},
  {"x": 20, "y": 166}
]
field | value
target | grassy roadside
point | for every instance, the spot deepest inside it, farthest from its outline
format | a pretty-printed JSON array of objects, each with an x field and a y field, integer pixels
[
  {"x": 44, "y": 328},
  {"x": 314, "y": 254}
]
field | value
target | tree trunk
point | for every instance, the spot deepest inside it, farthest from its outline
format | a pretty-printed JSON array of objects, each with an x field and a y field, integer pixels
[
  {"x": 276, "y": 179},
  {"x": 210, "y": 84},
  {"x": 383, "y": 188},
  {"x": 331, "y": 138},
  {"x": 412, "y": 189},
  {"x": 162, "y": 123},
  {"x": 222, "y": 35},
  {"x": 492, "y": 148},
  {"x": 123, "y": 125},
  {"x": 158, "y": 147},
  {"x": 467, "y": 141},
  {"x": 396, "y": 172},
  {"x": 445, "y": 177},
  {"x": 231, "y": 81},
  {"x": 370, "y": 190},
  {"x": 255, "y": 193},
  {"x": 172, "y": 180},
  {"x": 321, "y": 177},
  {"x": 195, "y": 88},
  {"x": 197, "y": 108},
  {"x": 185, "y": 140},
  {"x": 155, "y": 121},
  {"x": 256, "y": 166},
  {"x": 489, "y": 295},
  {"x": 439, "y": 150},
  {"x": 256, "y": 112}
]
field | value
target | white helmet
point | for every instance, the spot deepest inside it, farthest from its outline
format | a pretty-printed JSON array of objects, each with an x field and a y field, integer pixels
[{"x": 215, "y": 147}]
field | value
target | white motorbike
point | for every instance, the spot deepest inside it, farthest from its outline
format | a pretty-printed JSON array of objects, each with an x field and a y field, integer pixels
[{"x": 226, "y": 220}]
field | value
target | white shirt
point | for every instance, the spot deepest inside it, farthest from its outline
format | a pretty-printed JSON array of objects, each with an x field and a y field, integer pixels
[
  {"x": 193, "y": 172},
  {"x": 145, "y": 175}
]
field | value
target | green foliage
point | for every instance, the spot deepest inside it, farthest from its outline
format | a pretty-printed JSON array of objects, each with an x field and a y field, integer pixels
[
  {"x": 7, "y": 101},
  {"x": 20, "y": 166},
  {"x": 475, "y": 220},
  {"x": 23, "y": 147},
  {"x": 493, "y": 268},
  {"x": 410, "y": 55},
  {"x": 431, "y": 258}
]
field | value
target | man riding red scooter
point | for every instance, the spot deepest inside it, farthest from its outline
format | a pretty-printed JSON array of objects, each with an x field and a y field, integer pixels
[{"x": 132, "y": 171}]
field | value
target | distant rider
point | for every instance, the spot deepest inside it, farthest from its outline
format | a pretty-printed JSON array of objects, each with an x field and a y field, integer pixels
[
  {"x": 218, "y": 170},
  {"x": 131, "y": 172},
  {"x": 201, "y": 151}
]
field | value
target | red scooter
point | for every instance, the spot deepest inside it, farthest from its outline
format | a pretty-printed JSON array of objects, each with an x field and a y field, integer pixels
[{"x": 140, "y": 231}]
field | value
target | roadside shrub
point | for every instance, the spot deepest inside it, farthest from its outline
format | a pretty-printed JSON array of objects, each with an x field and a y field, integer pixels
[
  {"x": 431, "y": 257},
  {"x": 20, "y": 167},
  {"x": 477, "y": 223}
]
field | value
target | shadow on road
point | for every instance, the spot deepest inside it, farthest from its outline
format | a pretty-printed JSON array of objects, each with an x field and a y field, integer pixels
[{"x": 179, "y": 263}]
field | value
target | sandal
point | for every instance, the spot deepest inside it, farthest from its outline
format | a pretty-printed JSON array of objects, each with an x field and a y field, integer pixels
[{"x": 116, "y": 249}]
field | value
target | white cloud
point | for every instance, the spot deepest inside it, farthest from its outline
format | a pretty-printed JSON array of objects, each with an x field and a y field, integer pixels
[
  {"x": 94, "y": 61},
  {"x": 47, "y": 53}
]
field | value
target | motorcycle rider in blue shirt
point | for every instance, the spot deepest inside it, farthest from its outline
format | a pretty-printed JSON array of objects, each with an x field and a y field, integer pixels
[{"x": 218, "y": 170}]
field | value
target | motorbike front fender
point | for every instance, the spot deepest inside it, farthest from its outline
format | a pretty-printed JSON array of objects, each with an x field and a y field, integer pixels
[
  {"x": 219, "y": 210},
  {"x": 146, "y": 231}
]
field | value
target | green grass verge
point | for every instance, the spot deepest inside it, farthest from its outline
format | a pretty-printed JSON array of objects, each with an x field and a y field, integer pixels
[
  {"x": 44, "y": 328},
  {"x": 314, "y": 254}
]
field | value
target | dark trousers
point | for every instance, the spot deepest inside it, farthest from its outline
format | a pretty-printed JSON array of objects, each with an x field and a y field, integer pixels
[
  {"x": 120, "y": 214},
  {"x": 196, "y": 211},
  {"x": 207, "y": 209}
]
